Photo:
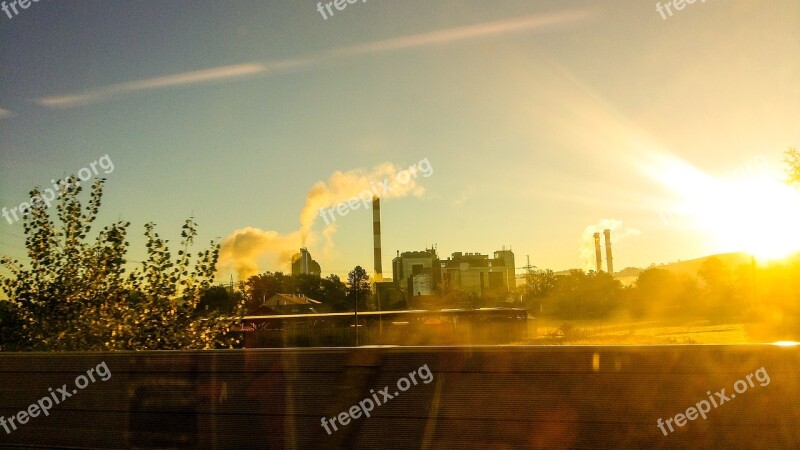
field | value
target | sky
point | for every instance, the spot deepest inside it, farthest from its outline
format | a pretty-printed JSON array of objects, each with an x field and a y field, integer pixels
[{"x": 540, "y": 121}]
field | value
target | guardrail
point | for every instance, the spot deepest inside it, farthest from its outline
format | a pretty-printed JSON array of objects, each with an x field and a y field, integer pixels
[{"x": 480, "y": 397}]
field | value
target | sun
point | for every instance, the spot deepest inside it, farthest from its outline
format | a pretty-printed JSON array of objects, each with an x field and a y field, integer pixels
[
  {"x": 755, "y": 211},
  {"x": 752, "y": 210}
]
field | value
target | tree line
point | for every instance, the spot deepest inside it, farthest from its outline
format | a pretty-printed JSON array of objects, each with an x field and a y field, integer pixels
[
  {"x": 716, "y": 291},
  {"x": 335, "y": 295},
  {"x": 76, "y": 294}
]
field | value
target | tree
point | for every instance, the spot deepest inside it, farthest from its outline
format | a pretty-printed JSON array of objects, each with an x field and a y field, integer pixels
[
  {"x": 334, "y": 293},
  {"x": 259, "y": 288},
  {"x": 220, "y": 298},
  {"x": 718, "y": 297},
  {"x": 580, "y": 295},
  {"x": 77, "y": 294},
  {"x": 538, "y": 285},
  {"x": 793, "y": 163},
  {"x": 308, "y": 285},
  {"x": 11, "y": 338},
  {"x": 452, "y": 297},
  {"x": 659, "y": 292},
  {"x": 359, "y": 289}
]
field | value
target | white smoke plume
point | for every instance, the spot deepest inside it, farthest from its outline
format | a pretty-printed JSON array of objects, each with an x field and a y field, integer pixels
[
  {"x": 618, "y": 234},
  {"x": 382, "y": 180},
  {"x": 241, "y": 251},
  {"x": 244, "y": 248}
]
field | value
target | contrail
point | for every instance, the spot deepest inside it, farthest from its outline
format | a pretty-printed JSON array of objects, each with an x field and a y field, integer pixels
[
  {"x": 238, "y": 71},
  {"x": 106, "y": 93}
]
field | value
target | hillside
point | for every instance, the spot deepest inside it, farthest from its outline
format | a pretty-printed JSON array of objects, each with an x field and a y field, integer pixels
[
  {"x": 690, "y": 267},
  {"x": 629, "y": 275}
]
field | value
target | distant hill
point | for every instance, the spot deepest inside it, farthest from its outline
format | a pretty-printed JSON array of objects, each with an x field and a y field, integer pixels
[
  {"x": 629, "y": 275},
  {"x": 690, "y": 267}
]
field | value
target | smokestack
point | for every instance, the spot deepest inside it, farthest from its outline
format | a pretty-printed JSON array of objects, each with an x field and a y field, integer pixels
[
  {"x": 598, "y": 256},
  {"x": 376, "y": 232},
  {"x": 304, "y": 257},
  {"x": 609, "y": 259}
]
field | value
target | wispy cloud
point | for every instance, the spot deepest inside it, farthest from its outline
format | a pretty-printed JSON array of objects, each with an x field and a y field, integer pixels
[
  {"x": 528, "y": 23},
  {"x": 201, "y": 76},
  {"x": 5, "y": 113},
  {"x": 452, "y": 35}
]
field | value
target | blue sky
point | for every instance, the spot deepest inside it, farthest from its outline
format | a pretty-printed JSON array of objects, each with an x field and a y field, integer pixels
[{"x": 537, "y": 116}]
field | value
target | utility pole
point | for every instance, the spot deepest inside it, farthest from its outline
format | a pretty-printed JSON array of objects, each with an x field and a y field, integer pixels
[
  {"x": 528, "y": 273},
  {"x": 356, "y": 296}
]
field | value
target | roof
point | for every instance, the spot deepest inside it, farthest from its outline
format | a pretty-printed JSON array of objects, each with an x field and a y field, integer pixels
[{"x": 290, "y": 299}]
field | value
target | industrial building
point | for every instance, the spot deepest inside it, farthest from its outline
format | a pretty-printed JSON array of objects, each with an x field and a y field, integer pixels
[
  {"x": 422, "y": 273},
  {"x": 303, "y": 264},
  {"x": 478, "y": 274},
  {"x": 417, "y": 273}
]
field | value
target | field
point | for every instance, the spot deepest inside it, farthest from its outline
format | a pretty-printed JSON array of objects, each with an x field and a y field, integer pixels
[{"x": 544, "y": 331}]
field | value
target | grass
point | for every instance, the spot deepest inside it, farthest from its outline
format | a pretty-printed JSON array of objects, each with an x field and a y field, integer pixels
[{"x": 550, "y": 331}]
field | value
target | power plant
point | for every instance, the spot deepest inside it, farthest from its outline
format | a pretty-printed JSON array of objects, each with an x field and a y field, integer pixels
[
  {"x": 598, "y": 253},
  {"x": 422, "y": 274},
  {"x": 376, "y": 233},
  {"x": 302, "y": 263},
  {"x": 609, "y": 259}
]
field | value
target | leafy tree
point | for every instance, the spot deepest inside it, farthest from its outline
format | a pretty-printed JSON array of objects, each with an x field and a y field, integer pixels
[
  {"x": 330, "y": 291},
  {"x": 11, "y": 338},
  {"x": 359, "y": 289},
  {"x": 580, "y": 295},
  {"x": 659, "y": 293},
  {"x": 719, "y": 297},
  {"x": 714, "y": 273},
  {"x": 220, "y": 298},
  {"x": 538, "y": 285},
  {"x": 308, "y": 285},
  {"x": 453, "y": 297},
  {"x": 793, "y": 163},
  {"x": 77, "y": 294},
  {"x": 259, "y": 288},
  {"x": 334, "y": 292}
]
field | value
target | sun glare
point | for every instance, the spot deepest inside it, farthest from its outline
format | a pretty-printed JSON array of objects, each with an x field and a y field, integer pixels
[{"x": 752, "y": 210}]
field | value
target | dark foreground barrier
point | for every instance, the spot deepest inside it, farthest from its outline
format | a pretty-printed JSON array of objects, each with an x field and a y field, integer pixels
[
  {"x": 421, "y": 398},
  {"x": 416, "y": 327}
]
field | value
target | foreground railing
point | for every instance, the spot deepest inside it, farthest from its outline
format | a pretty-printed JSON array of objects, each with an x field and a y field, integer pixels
[{"x": 406, "y": 398}]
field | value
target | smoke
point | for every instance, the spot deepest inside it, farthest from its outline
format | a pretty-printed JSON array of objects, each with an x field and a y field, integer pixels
[
  {"x": 244, "y": 248},
  {"x": 383, "y": 180},
  {"x": 327, "y": 233},
  {"x": 241, "y": 250},
  {"x": 618, "y": 234}
]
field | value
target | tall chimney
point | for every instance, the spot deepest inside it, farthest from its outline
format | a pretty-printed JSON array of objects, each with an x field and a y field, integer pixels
[
  {"x": 597, "y": 255},
  {"x": 609, "y": 259},
  {"x": 304, "y": 259},
  {"x": 376, "y": 232}
]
